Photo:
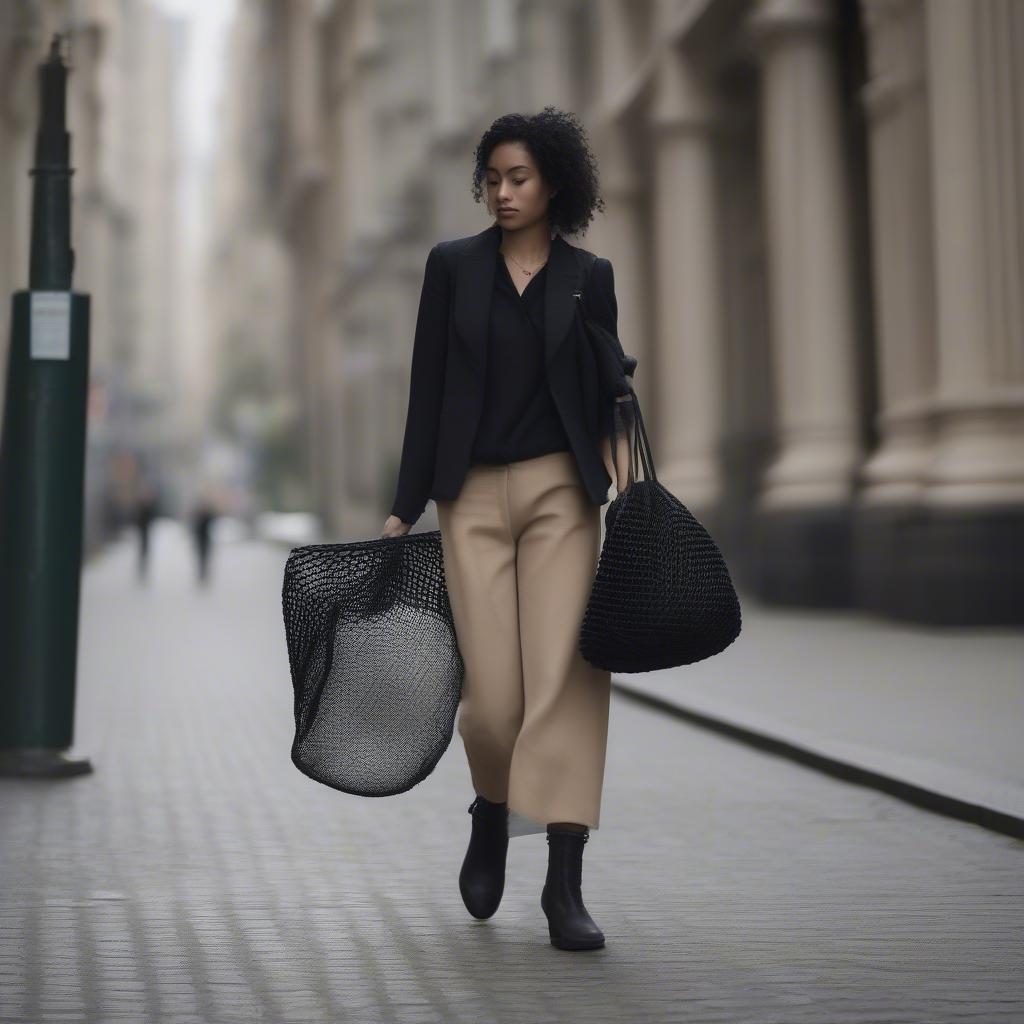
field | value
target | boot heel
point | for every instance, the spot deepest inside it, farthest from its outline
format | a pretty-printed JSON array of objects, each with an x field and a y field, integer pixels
[{"x": 560, "y": 942}]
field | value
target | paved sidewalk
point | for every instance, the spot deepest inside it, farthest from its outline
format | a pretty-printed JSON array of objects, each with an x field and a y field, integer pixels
[
  {"x": 940, "y": 712},
  {"x": 197, "y": 876}
]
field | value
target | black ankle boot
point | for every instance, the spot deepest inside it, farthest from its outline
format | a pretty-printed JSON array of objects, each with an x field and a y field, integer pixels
[
  {"x": 569, "y": 924},
  {"x": 482, "y": 878}
]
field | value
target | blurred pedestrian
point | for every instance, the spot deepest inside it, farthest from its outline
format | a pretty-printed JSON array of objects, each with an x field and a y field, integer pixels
[
  {"x": 147, "y": 507},
  {"x": 203, "y": 516}
]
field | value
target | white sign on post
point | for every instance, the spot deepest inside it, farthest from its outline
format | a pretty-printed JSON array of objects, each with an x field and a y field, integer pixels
[{"x": 50, "y": 325}]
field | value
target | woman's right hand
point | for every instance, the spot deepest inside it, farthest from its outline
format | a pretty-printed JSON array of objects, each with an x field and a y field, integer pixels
[{"x": 395, "y": 527}]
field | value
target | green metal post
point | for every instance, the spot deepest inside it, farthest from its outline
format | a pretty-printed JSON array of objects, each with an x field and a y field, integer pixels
[{"x": 42, "y": 469}]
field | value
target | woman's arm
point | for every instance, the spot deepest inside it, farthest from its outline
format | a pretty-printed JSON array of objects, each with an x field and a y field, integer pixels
[
  {"x": 426, "y": 383},
  {"x": 619, "y": 469},
  {"x": 605, "y": 311}
]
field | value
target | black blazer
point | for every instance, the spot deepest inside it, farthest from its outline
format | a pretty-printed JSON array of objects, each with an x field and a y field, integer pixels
[{"x": 449, "y": 350}]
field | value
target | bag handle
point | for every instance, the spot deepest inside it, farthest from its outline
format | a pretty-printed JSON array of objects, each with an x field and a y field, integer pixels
[{"x": 640, "y": 450}]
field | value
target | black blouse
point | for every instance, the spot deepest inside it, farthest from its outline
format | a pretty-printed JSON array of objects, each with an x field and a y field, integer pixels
[{"x": 519, "y": 418}]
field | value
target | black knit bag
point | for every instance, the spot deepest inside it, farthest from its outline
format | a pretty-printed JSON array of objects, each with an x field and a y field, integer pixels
[
  {"x": 662, "y": 595},
  {"x": 375, "y": 664}
]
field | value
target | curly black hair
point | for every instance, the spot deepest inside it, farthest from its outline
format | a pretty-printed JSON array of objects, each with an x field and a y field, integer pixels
[{"x": 558, "y": 143}]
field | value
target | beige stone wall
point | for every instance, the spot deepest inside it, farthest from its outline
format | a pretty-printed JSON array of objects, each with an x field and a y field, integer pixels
[{"x": 812, "y": 212}]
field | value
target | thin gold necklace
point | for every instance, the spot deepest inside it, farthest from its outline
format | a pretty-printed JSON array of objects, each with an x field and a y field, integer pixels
[{"x": 529, "y": 273}]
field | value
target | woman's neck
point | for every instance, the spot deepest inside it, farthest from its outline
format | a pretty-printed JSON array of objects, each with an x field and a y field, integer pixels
[{"x": 528, "y": 245}]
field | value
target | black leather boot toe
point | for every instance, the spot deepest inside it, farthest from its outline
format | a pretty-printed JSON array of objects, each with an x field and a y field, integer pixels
[
  {"x": 482, "y": 878},
  {"x": 569, "y": 924}
]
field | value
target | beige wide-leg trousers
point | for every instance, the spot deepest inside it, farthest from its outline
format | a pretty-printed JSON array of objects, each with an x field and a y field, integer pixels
[{"x": 521, "y": 543}]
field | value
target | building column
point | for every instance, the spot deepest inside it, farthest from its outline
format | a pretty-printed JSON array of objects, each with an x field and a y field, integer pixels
[
  {"x": 965, "y": 547},
  {"x": 621, "y": 232},
  {"x": 548, "y": 36},
  {"x": 453, "y": 109},
  {"x": 895, "y": 100},
  {"x": 977, "y": 123},
  {"x": 804, "y": 506},
  {"x": 688, "y": 328},
  {"x": 622, "y": 237},
  {"x": 301, "y": 209}
]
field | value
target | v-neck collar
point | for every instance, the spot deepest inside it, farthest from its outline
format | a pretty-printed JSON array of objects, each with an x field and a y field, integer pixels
[
  {"x": 511, "y": 280},
  {"x": 475, "y": 270}
]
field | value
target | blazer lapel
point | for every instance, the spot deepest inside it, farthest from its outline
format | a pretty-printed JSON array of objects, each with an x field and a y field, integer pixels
[
  {"x": 565, "y": 278},
  {"x": 474, "y": 285}
]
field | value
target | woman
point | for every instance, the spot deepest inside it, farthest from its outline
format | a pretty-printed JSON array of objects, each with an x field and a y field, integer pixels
[{"x": 509, "y": 434}]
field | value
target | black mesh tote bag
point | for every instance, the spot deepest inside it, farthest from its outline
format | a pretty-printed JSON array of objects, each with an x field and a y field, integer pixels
[
  {"x": 662, "y": 595},
  {"x": 375, "y": 666}
]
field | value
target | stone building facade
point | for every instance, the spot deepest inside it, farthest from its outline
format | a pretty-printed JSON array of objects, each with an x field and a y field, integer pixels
[{"x": 814, "y": 212}]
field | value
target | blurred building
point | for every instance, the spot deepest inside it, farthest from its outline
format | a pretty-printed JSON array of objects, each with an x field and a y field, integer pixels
[
  {"x": 815, "y": 216},
  {"x": 122, "y": 115},
  {"x": 252, "y": 398}
]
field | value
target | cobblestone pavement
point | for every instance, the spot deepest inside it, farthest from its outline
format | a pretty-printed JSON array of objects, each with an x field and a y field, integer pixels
[{"x": 197, "y": 876}]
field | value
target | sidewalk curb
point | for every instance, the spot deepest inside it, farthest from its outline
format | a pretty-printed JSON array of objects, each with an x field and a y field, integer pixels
[{"x": 921, "y": 796}]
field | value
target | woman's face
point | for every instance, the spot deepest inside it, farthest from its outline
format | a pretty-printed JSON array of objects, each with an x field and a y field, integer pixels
[{"x": 516, "y": 193}]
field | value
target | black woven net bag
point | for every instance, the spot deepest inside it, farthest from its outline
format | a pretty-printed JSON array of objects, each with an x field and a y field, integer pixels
[
  {"x": 662, "y": 595},
  {"x": 375, "y": 665}
]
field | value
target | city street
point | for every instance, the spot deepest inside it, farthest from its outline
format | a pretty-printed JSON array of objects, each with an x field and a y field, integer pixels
[{"x": 197, "y": 876}]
